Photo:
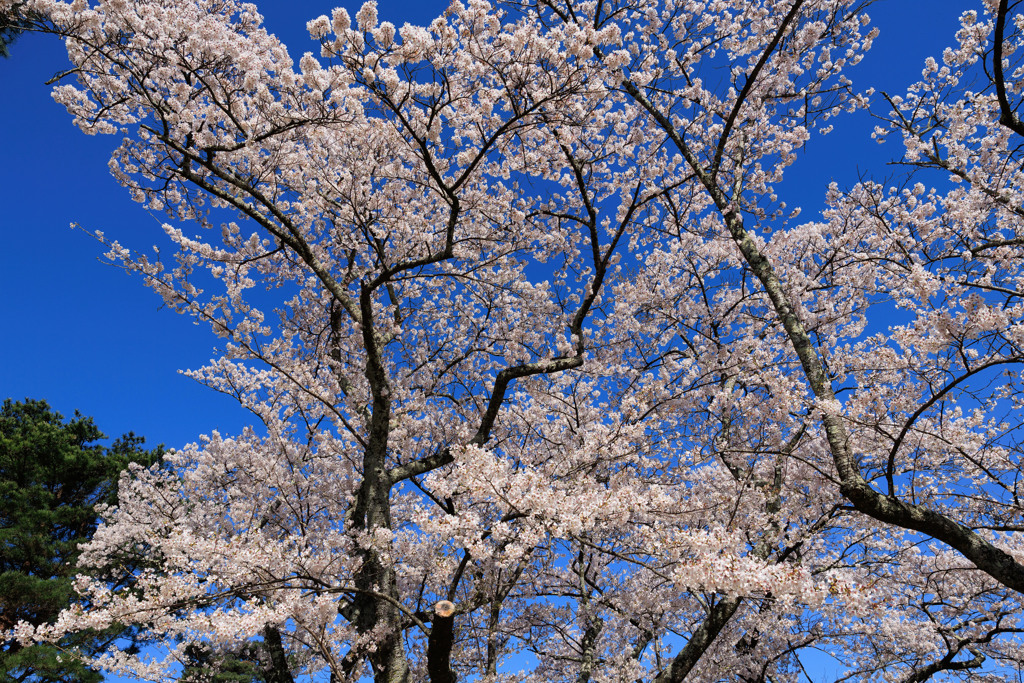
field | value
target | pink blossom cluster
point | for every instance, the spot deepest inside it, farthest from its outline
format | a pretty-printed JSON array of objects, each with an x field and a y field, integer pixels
[{"x": 528, "y": 328}]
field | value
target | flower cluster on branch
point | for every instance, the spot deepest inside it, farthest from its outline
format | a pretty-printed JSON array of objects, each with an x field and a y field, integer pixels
[{"x": 541, "y": 361}]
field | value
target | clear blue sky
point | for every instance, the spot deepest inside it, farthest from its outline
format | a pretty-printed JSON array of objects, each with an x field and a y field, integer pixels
[{"x": 84, "y": 335}]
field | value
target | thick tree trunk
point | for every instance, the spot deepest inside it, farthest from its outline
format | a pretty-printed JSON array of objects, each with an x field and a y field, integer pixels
[
  {"x": 439, "y": 645},
  {"x": 376, "y": 604},
  {"x": 376, "y": 583},
  {"x": 275, "y": 667}
]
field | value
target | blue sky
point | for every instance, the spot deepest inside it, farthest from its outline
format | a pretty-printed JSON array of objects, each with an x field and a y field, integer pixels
[{"x": 84, "y": 335}]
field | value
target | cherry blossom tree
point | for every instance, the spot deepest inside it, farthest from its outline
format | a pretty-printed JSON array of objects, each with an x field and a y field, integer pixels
[{"x": 547, "y": 374}]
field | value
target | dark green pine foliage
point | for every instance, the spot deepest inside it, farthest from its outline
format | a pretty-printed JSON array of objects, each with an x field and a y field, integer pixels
[
  {"x": 12, "y": 23},
  {"x": 52, "y": 475},
  {"x": 262, "y": 660},
  {"x": 204, "y": 665}
]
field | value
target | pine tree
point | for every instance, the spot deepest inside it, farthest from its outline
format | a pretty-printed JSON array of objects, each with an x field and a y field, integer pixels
[
  {"x": 11, "y": 26},
  {"x": 53, "y": 473}
]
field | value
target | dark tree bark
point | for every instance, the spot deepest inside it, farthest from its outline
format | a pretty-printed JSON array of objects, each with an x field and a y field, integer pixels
[
  {"x": 276, "y": 669},
  {"x": 439, "y": 645},
  {"x": 700, "y": 641}
]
